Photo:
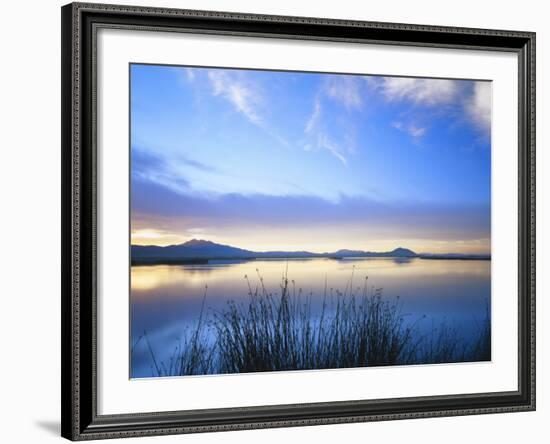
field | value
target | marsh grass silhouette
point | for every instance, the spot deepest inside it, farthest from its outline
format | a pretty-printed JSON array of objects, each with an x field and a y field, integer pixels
[{"x": 355, "y": 327}]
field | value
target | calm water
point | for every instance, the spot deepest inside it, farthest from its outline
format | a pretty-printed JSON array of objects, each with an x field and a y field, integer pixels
[{"x": 167, "y": 298}]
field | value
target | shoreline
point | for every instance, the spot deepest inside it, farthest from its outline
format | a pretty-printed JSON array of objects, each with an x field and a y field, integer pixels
[{"x": 207, "y": 261}]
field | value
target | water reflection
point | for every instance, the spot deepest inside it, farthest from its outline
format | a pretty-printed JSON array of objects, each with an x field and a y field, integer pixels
[{"x": 165, "y": 299}]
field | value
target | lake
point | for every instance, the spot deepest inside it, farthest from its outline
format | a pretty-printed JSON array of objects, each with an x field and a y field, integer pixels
[{"x": 167, "y": 299}]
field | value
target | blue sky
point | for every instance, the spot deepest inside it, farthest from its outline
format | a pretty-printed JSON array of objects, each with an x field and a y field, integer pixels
[{"x": 284, "y": 160}]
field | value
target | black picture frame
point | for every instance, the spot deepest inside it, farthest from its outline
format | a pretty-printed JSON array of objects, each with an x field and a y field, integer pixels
[{"x": 80, "y": 420}]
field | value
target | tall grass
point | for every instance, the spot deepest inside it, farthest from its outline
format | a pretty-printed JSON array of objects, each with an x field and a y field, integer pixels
[
  {"x": 269, "y": 333},
  {"x": 288, "y": 331}
]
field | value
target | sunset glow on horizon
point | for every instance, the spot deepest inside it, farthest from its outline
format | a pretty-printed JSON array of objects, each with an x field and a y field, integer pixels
[{"x": 257, "y": 241}]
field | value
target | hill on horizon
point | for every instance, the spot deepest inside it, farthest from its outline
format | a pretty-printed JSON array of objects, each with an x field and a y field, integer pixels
[{"x": 204, "y": 249}]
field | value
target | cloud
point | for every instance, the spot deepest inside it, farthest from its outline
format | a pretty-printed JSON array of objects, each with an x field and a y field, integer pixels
[
  {"x": 244, "y": 96},
  {"x": 473, "y": 103},
  {"x": 479, "y": 105},
  {"x": 324, "y": 142},
  {"x": 237, "y": 92},
  {"x": 318, "y": 137},
  {"x": 150, "y": 167},
  {"x": 165, "y": 169},
  {"x": 435, "y": 220},
  {"x": 314, "y": 118},
  {"x": 344, "y": 89},
  {"x": 411, "y": 129},
  {"x": 419, "y": 91}
]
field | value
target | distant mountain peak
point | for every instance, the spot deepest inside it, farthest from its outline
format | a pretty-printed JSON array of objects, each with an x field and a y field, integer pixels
[
  {"x": 400, "y": 251},
  {"x": 198, "y": 243}
]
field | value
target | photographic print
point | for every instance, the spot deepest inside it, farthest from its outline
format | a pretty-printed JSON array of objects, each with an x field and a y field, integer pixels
[{"x": 293, "y": 221}]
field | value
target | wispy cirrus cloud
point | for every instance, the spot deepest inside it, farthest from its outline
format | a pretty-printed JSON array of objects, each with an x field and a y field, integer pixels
[
  {"x": 419, "y": 91},
  {"x": 317, "y": 135},
  {"x": 344, "y": 89},
  {"x": 239, "y": 93},
  {"x": 323, "y": 129},
  {"x": 314, "y": 117},
  {"x": 323, "y": 141},
  {"x": 245, "y": 95}
]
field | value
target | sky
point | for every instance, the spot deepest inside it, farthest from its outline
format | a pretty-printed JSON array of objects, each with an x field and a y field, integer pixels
[{"x": 274, "y": 160}]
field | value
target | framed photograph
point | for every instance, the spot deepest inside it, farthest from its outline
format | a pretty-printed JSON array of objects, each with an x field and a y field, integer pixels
[{"x": 281, "y": 221}]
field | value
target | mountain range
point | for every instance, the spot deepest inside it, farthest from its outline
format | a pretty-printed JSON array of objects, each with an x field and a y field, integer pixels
[{"x": 198, "y": 250}]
